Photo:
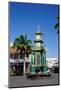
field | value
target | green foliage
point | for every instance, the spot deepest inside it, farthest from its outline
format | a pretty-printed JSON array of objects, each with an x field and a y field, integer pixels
[
  {"x": 23, "y": 44},
  {"x": 57, "y": 25}
]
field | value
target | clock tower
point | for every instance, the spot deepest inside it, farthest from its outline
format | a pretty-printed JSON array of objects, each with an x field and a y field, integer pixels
[{"x": 38, "y": 55}]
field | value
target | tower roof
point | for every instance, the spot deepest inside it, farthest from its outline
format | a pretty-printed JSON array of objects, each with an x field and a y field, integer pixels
[
  {"x": 41, "y": 41},
  {"x": 38, "y": 32}
]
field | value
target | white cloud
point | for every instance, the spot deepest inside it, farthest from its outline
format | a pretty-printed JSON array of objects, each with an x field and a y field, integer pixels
[{"x": 51, "y": 58}]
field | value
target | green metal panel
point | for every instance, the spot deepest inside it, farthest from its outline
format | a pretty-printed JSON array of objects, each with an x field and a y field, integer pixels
[
  {"x": 32, "y": 59},
  {"x": 32, "y": 69},
  {"x": 43, "y": 59},
  {"x": 38, "y": 58},
  {"x": 35, "y": 58},
  {"x": 45, "y": 68}
]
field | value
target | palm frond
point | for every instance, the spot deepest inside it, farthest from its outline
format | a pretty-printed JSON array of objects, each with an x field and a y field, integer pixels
[
  {"x": 56, "y": 26},
  {"x": 17, "y": 41},
  {"x": 22, "y": 39},
  {"x": 29, "y": 42},
  {"x": 23, "y": 44},
  {"x": 57, "y": 18},
  {"x": 25, "y": 37}
]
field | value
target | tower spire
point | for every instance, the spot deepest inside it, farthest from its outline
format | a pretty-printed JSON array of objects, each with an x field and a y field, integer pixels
[{"x": 38, "y": 28}]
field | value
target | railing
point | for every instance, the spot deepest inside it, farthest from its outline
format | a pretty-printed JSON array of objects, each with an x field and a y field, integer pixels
[{"x": 19, "y": 60}]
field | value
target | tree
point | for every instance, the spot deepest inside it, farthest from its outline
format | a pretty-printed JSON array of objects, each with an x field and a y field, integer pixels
[
  {"x": 24, "y": 45},
  {"x": 57, "y": 25},
  {"x": 57, "y": 28}
]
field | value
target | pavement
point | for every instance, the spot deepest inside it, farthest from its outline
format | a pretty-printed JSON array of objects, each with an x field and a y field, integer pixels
[{"x": 22, "y": 81}]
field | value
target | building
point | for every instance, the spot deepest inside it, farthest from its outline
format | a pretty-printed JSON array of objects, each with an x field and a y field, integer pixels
[
  {"x": 17, "y": 63},
  {"x": 52, "y": 62}
]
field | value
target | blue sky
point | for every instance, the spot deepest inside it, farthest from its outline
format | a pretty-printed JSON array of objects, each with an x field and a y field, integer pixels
[{"x": 25, "y": 18}]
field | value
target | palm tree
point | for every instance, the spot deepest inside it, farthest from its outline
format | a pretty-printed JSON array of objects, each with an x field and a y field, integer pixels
[
  {"x": 24, "y": 45},
  {"x": 57, "y": 28},
  {"x": 57, "y": 25}
]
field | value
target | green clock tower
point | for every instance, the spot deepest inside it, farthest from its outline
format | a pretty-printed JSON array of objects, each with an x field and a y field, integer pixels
[{"x": 38, "y": 55}]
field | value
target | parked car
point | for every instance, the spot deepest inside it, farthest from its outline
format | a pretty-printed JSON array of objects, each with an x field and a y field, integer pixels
[{"x": 56, "y": 69}]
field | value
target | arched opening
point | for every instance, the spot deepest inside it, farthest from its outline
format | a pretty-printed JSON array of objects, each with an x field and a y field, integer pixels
[{"x": 38, "y": 59}]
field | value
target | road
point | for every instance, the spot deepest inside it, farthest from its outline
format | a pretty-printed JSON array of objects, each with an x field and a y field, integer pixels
[{"x": 21, "y": 81}]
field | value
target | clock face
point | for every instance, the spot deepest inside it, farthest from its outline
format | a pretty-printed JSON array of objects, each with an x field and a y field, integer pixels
[
  {"x": 38, "y": 37},
  {"x": 38, "y": 44}
]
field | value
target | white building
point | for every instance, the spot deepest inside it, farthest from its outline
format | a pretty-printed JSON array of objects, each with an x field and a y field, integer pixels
[{"x": 52, "y": 62}]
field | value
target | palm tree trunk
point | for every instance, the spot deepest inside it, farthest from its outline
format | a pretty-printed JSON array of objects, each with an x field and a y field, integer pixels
[
  {"x": 19, "y": 56},
  {"x": 58, "y": 48},
  {"x": 13, "y": 57},
  {"x": 24, "y": 68}
]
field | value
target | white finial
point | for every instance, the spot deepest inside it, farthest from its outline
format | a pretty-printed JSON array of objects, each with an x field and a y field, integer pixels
[{"x": 38, "y": 28}]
